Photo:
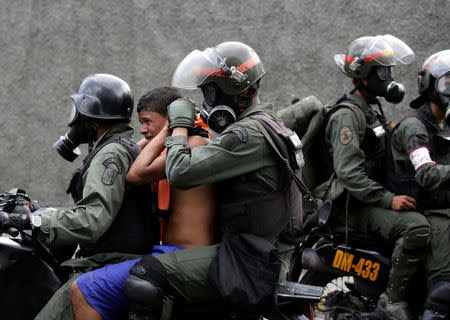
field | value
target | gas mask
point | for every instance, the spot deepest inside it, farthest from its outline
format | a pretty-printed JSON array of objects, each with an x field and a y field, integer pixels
[
  {"x": 442, "y": 99},
  {"x": 220, "y": 110},
  {"x": 380, "y": 83},
  {"x": 81, "y": 130}
]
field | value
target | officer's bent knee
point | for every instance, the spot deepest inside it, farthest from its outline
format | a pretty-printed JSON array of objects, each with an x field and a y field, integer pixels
[
  {"x": 145, "y": 288},
  {"x": 417, "y": 238}
]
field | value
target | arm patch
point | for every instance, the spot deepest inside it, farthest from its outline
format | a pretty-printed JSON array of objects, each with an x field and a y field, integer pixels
[
  {"x": 346, "y": 135},
  {"x": 241, "y": 132},
  {"x": 113, "y": 167},
  {"x": 234, "y": 137}
]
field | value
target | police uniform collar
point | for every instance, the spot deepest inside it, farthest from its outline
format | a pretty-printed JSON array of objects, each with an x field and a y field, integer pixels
[
  {"x": 266, "y": 107},
  {"x": 367, "y": 108},
  {"x": 430, "y": 120},
  {"x": 124, "y": 130},
  {"x": 418, "y": 102},
  {"x": 360, "y": 102}
]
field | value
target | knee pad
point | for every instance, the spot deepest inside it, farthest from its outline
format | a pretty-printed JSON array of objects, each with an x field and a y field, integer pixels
[
  {"x": 145, "y": 288},
  {"x": 417, "y": 238},
  {"x": 438, "y": 299}
]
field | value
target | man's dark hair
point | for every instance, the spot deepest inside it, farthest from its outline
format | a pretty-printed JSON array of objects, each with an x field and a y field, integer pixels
[{"x": 158, "y": 99}]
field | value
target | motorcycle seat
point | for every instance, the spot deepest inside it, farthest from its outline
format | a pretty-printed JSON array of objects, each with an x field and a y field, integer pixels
[{"x": 361, "y": 239}]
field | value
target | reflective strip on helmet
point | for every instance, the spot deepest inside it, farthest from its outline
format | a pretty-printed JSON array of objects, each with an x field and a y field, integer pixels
[
  {"x": 420, "y": 157},
  {"x": 250, "y": 63},
  {"x": 379, "y": 54},
  {"x": 244, "y": 66},
  {"x": 373, "y": 56}
]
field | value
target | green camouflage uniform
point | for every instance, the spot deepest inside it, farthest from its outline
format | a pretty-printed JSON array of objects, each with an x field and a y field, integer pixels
[
  {"x": 431, "y": 177},
  {"x": 91, "y": 217},
  {"x": 241, "y": 152}
]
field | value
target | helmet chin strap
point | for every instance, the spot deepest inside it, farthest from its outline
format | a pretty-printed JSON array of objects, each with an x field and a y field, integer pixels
[
  {"x": 91, "y": 127},
  {"x": 246, "y": 100}
]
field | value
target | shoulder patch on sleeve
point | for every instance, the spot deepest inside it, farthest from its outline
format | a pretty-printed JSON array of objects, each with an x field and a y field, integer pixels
[
  {"x": 241, "y": 132},
  {"x": 234, "y": 137},
  {"x": 113, "y": 167},
  {"x": 345, "y": 135}
]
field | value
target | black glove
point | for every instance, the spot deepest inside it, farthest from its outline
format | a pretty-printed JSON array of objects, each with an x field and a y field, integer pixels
[
  {"x": 20, "y": 221},
  {"x": 181, "y": 113}
]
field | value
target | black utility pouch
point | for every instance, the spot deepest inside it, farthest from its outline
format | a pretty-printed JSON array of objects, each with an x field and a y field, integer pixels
[{"x": 245, "y": 272}]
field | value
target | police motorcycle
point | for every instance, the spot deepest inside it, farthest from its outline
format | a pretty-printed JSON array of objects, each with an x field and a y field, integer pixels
[
  {"x": 30, "y": 274},
  {"x": 353, "y": 268}
]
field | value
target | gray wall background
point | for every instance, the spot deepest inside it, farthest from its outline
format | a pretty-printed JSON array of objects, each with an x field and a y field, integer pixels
[{"x": 48, "y": 47}]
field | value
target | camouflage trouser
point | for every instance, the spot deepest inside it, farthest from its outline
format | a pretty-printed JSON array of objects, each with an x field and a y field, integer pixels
[{"x": 187, "y": 272}]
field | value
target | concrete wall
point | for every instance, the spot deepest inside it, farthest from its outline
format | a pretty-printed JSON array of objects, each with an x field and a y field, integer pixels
[{"x": 48, "y": 47}]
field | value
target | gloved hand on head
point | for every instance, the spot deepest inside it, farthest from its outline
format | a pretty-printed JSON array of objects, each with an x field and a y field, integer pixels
[{"x": 181, "y": 113}]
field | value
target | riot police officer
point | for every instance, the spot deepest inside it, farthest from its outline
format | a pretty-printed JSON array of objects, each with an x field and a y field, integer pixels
[
  {"x": 110, "y": 220},
  {"x": 252, "y": 188},
  {"x": 354, "y": 142},
  {"x": 421, "y": 163}
]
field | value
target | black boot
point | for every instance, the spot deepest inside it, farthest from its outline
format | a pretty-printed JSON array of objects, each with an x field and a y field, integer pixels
[
  {"x": 437, "y": 305},
  {"x": 433, "y": 315}
]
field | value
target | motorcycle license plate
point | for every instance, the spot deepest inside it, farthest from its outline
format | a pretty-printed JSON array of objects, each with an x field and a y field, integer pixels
[{"x": 359, "y": 266}]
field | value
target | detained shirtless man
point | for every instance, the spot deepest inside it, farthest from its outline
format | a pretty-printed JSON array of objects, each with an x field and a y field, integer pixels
[{"x": 99, "y": 294}]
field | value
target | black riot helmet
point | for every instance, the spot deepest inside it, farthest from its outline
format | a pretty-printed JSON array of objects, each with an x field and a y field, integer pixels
[
  {"x": 223, "y": 72},
  {"x": 100, "y": 98},
  {"x": 104, "y": 96}
]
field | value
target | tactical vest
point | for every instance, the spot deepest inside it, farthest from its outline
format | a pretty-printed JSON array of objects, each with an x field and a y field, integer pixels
[
  {"x": 135, "y": 229},
  {"x": 373, "y": 144},
  {"x": 405, "y": 182},
  {"x": 252, "y": 208}
]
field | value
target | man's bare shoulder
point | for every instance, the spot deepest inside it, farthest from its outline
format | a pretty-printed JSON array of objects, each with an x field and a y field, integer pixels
[{"x": 195, "y": 141}]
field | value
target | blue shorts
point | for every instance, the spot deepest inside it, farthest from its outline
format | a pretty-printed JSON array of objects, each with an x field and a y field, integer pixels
[{"x": 103, "y": 288}]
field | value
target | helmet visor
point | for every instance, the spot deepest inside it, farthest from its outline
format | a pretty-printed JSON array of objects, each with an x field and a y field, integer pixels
[
  {"x": 387, "y": 50},
  {"x": 438, "y": 64},
  {"x": 195, "y": 68},
  {"x": 443, "y": 84},
  {"x": 73, "y": 115}
]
